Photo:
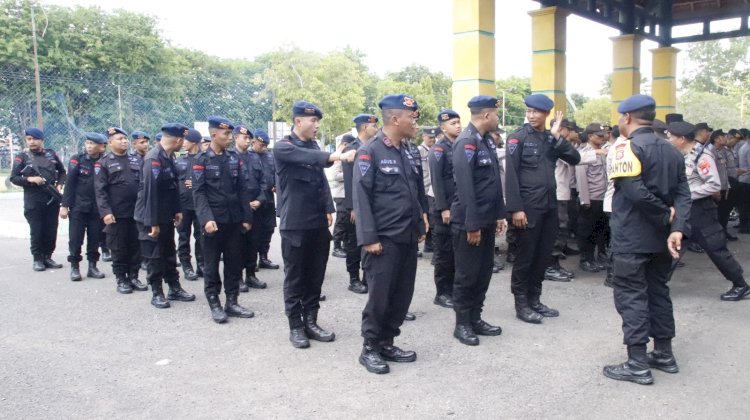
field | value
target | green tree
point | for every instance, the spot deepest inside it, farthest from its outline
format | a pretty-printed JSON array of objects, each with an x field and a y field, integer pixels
[
  {"x": 716, "y": 66},
  {"x": 720, "y": 111},
  {"x": 594, "y": 110},
  {"x": 515, "y": 89}
]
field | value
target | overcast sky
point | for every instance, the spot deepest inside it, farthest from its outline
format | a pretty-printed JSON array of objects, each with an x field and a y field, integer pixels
[{"x": 245, "y": 29}]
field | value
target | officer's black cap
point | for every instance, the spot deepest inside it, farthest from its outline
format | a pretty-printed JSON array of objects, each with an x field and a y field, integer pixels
[
  {"x": 364, "y": 119},
  {"x": 206, "y": 139},
  {"x": 111, "y": 131},
  {"x": 594, "y": 128},
  {"x": 347, "y": 138},
  {"x": 175, "y": 130},
  {"x": 681, "y": 128},
  {"x": 670, "y": 118},
  {"x": 306, "y": 109},
  {"x": 635, "y": 103},
  {"x": 193, "y": 136},
  {"x": 539, "y": 101},
  {"x": 137, "y": 134},
  {"x": 447, "y": 115},
  {"x": 430, "y": 131},
  {"x": 745, "y": 132},
  {"x": 96, "y": 138},
  {"x": 398, "y": 101},
  {"x": 483, "y": 101},
  {"x": 219, "y": 122},
  {"x": 703, "y": 126},
  {"x": 659, "y": 126}
]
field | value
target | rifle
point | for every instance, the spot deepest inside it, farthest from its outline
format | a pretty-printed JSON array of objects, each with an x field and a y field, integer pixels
[{"x": 30, "y": 170}]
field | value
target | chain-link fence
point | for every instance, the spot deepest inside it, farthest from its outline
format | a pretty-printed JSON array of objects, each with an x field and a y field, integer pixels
[{"x": 72, "y": 105}]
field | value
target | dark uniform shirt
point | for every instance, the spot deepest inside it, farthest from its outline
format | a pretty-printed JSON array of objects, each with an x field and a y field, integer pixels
[
  {"x": 479, "y": 193},
  {"x": 158, "y": 195},
  {"x": 222, "y": 188},
  {"x": 255, "y": 170},
  {"x": 79, "y": 193},
  {"x": 386, "y": 193},
  {"x": 440, "y": 158},
  {"x": 348, "y": 169},
  {"x": 304, "y": 194},
  {"x": 116, "y": 184},
  {"x": 269, "y": 171},
  {"x": 649, "y": 175},
  {"x": 416, "y": 160},
  {"x": 184, "y": 168},
  {"x": 530, "y": 169},
  {"x": 48, "y": 165}
]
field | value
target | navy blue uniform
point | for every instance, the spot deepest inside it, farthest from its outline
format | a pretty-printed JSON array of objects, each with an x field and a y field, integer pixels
[
  {"x": 116, "y": 188},
  {"x": 530, "y": 187},
  {"x": 477, "y": 206},
  {"x": 266, "y": 215},
  {"x": 304, "y": 201},
  {"x": 440, "y": 159},
  {"x": 251, "y": 239},
  {"x": 39, "y": 207},
  {"x": 184, "y": 168},
  {"x": 79, "y": 197},
  {"x": 353, "y": 250},
  {"x": 388, "y": 209}
]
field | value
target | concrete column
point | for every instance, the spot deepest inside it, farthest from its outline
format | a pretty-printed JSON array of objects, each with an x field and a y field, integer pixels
[
  {"x": 626, "y": 70},
  {"x": 548, "y": 43},
  {"x": 664, "y": 81}
]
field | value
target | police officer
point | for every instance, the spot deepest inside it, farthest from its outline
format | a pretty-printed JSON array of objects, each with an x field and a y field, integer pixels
[
  {"x": 651, "y": 195},
  {"x": 79, "y": 203},
  {"x": 705, "y": 187},
  {"x": 251, "y": 239},
  {"x": 117, "y": 176},
  {"x": 306, "y": 210},
  {"x": 265, "y": 216},
  {"x": 222, "y": 191},
  {"x": 476, "y": 216},
  {"x": 337, "y": 192},
  {"x": 440, "y": 160},
  {"x": 531, "y": 199},
  {"x": 429, "y": 137},
  {"x": 38, "y": 171},
  {"x": 366, "y": 126},
  {"x": 140, "y": 141},
  {"x": 184, "y": 168},
  {"x": 390, "y": 223},
  {"x": 157, "y": 211}
]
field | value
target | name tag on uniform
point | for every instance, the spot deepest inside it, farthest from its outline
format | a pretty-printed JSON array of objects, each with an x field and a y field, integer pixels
[{"x": 625, "y": 163}]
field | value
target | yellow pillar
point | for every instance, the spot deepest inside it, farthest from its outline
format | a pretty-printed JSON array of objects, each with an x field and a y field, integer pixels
[
  {"x": 626, "y": 70},
  {"x": 473, "y": 52},
  {"x": 664, "y": 81},
  {"x": 548, "y": 33}
]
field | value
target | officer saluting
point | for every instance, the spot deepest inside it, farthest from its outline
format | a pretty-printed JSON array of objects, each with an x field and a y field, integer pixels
[
  {"x": 222, "y": 191},
  {"x": 705, "y": 185},
  {"x": 306, "y": 209},
  {"x": 157, "y": 211},
  {"x": 184, "y": 167},
  {"x": 79, "y": 202},
  {"x": 117, "y": 176},
  {"x": 37, "y": 171},
  {"x": 390, "y": 222},
  {"x": 651, "y": 195},
  {"x": 477, "y": 214},
  {"x": 531, "y": 199}
]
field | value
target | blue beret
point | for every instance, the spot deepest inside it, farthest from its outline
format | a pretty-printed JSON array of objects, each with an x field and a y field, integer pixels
[
  {"x": 175, "y": 130},
  {"x": 158, "y": 136},
  {"x": 364, "y": 119},
  {"x": 261, "y": 134},
  {"x": 447, "y": 114},
  {"x": 539, "y": 101},
  {"x": 193, "y": 135},
  {"x": 483, "y": 101},
  {"x": 306, "y": 109},
  {"x": 635, "y": 103},
  {"x": 111, "y": 131},
  {"x": 219, "y": 122},
  {"x": 35, "y": 133},
  {"x": 399, "y": 101},
  {"x": 96, "y": 138},
  {"x": 139, "y": 134},
  {"x": 242, "y": 129},
  {"x": 206, "y": 139}
]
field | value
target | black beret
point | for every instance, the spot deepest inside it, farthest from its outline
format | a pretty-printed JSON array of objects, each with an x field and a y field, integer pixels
[
  {"x": 306, "y": 109},
  {"x": 447, "y": 115},
  {"x": 399, "y": 101},
  {"x": 219, "y": 122},
  {"x": 193, "y": 136},
  {"x": 242, "y": 129},
  {"x": 594, "y": 128},
  {"x": 96, "y": 138},
  {"x": 364, "y": 119},
  {"x": 539, "y": 101},
  {"x": 670, "y": 118},
  {"x": 703, "y": 126},
  {"x": 430, "y": 131},
  {"x": 206, "y": 139},
  {"x": 635, "y": 103},
  {"x": 139, "y": 134},
  {"x": 175, "y": 130},
  {"x": 681, "y": 128},
  {"x": 111, "y": 131},
  {"x": 483, "y": 101},
  {"x": 659, "y": 125},
  {"x": 34, "y": 132},
  {"x": 745, "y": 132},
  {"x": 347, "y": 138}
]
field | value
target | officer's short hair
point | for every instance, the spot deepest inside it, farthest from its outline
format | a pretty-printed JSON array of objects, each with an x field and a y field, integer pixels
[
  {"x": 644, "y": 114},
  {"x": 359, "y": 127},
  {"x": 388, "y": 113},
  {"x": 480, "y": 111}
]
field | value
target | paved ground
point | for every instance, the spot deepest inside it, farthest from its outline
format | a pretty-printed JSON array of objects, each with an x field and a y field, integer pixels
[{"x": 80, "y": 350}]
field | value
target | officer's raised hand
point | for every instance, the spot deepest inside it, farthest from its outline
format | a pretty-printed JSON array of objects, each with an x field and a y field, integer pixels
[
  {"x": 210, "y": 227},
  {"x": 555, "y": 130}
]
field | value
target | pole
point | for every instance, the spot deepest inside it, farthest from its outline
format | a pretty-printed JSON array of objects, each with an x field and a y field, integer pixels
[
  {"x": 37, "y": 83},
  {"x": 119, "y": 105},
  {"x": 503, "y": 109}
]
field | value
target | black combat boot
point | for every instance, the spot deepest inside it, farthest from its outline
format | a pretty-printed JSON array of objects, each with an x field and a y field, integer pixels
[
  {"x": 187, "y": 271},
  {"x": 443, "y": 300},
  {"x": 176, "y": 292},
  {"x": 217, "y": 313},
  {"x": 93, "y": 272},
  {"x": 297, "y": 335},
  {"x": 736, "y": 293},
  {"x": 371, "y": 358},
  {"x": 232, "y": 308},
  {"x": 158, "y": 299},
  {"x": 38, "y": 264},
  {"x": 106, "y": 255},
  {"x": 635, "y": 369},
  {"x": 264, "y": 262},
  {"x": 542, "y": 309},
  {"x": 662, "y": 357},
  {"x": 243, "y": 288},
  {"x": 124, "y": 286},
  {"x": 313, "y": 330},
  {"x": 135, "y": 283},
  {"x": 254, "y": 282},
  {"x": 524, "y": 311},
  {"x": 50, "y": 263},
  {"x": 464, "y": 331},
  {"x": 356, "y": 285},
  {"x": 482, "y": 327},
  {"x": 199, "y": 270},
  {"x": 75, "y": 272},
  {"x": 392, "y": 353}
]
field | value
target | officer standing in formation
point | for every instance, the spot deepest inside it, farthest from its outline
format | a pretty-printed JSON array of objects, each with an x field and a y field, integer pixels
[
  {"x": 140, "y": 141},
  {"x": 531, "y": 199},
  {"x": 705, "y": 185},
  {"x": 157, "y": 212},
  {"x": 390, "y": 223},
  {"x": 79, "y": 203},
  {"x": 440, "y": 161},
  {"x": 306, "y": 211},
  {"x": 651, "y": 195},
  {"x": 429, "y": 135},
  {"x": 265, "y": 216},
  {"x": 190, "y": 223},
  {"x": 250, "y": 239},
  {"x": 117, "y": 176},
  {"x": 366, "y": 126},
  {"x": 36, "y": 171},
  {"x": 477, "y": 215},
  {"x": 223, "y": 190}
]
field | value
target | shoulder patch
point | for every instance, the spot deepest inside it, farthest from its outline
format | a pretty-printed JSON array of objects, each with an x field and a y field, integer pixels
[
  {"x": 469, "y": 151},
  {"x": 97, "y": 168},
  {"x": 626, "y": 163},
  {"x": 512, "y": 145},
  {"x": 73, "y": 163},
  {"x": 705, "y": 166},
  {"x": 438, "y": 152},
  {"x": 198, "y": 171},
  {"x": 364, "y": 163}
]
